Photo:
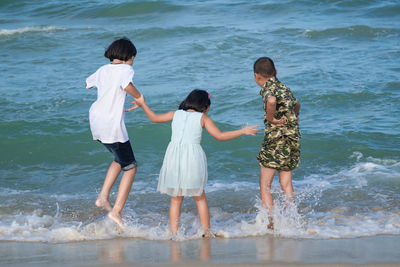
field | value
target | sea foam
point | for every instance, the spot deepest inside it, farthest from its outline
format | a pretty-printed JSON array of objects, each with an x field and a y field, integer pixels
[
  {"x": 330, "y": 204},
  {"x": 32, "y": 29}
]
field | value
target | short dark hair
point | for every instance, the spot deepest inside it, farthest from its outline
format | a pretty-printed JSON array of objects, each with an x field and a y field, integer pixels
[
  {"x": 122, "y": 49},
  {"x": 199, "y": 100},
  {"x": 265, "y": 67}
]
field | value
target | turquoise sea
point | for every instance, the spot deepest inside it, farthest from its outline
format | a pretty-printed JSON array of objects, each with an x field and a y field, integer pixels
[{"x": 341, "y": 58}]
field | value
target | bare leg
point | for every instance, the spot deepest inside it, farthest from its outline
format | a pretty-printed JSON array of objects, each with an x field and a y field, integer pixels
[
  {"x": 285, "y": 178},
  {"x": 204, "y": 216},
  {"x": 112, "y": 174},
  {"x": 123, "y": 193},
  {"x": 175, "y": 213},
  {"x": 266, "y": 178}
]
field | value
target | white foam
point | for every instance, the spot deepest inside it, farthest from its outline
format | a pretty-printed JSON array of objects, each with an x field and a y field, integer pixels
[
  {"x": 321, "y": 212},
  {"x": 288, "y": 222},
  {"x": 7, "y": 32},
  {"x": 214, "y": 186},
  {"x": 11, "y": 192}
]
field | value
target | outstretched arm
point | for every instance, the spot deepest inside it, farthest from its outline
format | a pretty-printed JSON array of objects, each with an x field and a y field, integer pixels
[
  {"x": 131, "y": 89},
  {"x": 163, "y": 117},
  {"x": 228, "y": 135}
]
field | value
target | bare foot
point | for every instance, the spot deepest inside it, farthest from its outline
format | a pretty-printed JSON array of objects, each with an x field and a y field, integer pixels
[
  {"x": 271, "y": 224},
  {"x": 207, "y": 234},
  {"x": 104, "y": 203},
  {"x": 116, "y": 218}
]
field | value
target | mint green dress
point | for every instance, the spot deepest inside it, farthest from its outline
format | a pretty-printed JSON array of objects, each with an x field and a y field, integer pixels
[{"x": 184, "y": 169}]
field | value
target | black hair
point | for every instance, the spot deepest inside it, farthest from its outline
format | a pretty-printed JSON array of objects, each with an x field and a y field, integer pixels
[
  {"x": 265, "y": 67},
  {"x": 122, "y": 49},
  {"x": 199, "y": 100}
]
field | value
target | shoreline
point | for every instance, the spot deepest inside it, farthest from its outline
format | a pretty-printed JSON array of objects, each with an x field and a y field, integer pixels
[{"x": 252, "y": 251}]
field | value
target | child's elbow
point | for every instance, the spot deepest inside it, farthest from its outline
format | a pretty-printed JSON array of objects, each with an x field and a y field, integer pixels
[
  {"x": 220, "y": 137},
  {"x": 155, "y": 119}
]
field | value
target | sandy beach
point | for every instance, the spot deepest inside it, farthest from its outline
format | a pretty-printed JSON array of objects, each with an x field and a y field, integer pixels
[{"x": 257, "y": 251}]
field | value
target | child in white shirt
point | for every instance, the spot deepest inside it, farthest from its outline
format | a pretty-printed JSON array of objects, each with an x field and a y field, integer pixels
[{"x": 107, "y": 121}]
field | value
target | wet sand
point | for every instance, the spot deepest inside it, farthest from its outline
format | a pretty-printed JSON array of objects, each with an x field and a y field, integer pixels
[{"x": 257, "y": 251}]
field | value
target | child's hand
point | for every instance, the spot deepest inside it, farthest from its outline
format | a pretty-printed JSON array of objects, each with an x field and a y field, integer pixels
[
  {"x": 140, "y": 101},
  {"x": 280, "y": 122},
  {"x": 135, "y": 106},
  {"x": 250, "y": 130},
  {"x": 137, "y": 103}
]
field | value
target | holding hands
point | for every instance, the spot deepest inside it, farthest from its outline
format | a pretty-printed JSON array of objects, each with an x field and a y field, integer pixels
[
  {"x": 246, "y": 130},
  {"x": 137, "y": 103}
]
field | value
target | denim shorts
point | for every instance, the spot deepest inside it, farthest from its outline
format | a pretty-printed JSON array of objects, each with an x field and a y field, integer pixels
[{"x": 123, "y": 154}]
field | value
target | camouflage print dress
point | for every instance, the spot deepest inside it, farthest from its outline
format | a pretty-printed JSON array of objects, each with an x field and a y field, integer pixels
[{"x": 280, "y": 149}]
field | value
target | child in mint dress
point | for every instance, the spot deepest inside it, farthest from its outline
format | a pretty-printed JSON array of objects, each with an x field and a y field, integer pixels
[{"x": 184, "y": 169}]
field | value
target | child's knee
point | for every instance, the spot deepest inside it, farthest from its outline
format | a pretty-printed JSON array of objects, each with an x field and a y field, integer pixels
[{"x": 287, "y": 187}]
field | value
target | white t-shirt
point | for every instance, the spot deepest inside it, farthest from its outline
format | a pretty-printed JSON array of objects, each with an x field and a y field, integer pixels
[{"x": 107, "y": 115}]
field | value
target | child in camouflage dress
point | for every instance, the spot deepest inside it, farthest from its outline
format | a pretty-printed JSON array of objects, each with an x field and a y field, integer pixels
[{"x": 280, "y": 150}]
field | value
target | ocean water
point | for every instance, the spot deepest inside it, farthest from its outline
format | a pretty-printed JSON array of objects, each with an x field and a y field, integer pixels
[{"x": 339, "y": 57}]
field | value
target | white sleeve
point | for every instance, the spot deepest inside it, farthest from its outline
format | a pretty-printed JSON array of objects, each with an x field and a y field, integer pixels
[
  {"x": 127, "y": 78},
  {"x": 91, "y": 81}
]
